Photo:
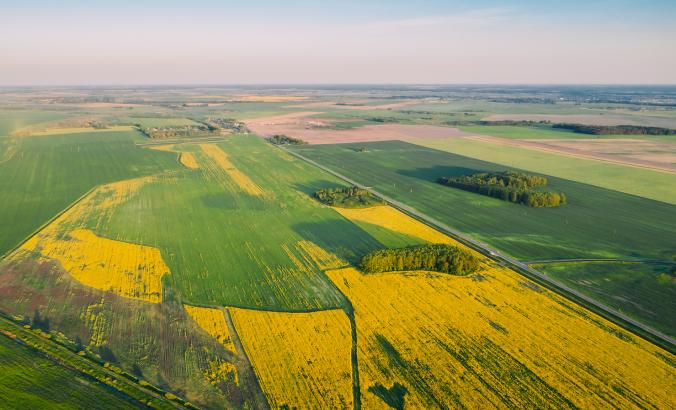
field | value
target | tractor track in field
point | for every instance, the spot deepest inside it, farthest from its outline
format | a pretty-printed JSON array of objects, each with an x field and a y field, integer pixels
[
  {"x": 245, "y": 369},
  {"x": 619, "y": 318}
]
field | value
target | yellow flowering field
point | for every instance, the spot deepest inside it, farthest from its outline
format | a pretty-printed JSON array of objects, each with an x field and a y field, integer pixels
[
  {"x": 188, "y": 160},
  {"x": 129, "y": 270},
  {"x": 301, "y": 360},
  {"x": 394, "y": 220},
  {"x": 213, "y": 322},
  {"x": 221, "y": 159},
  {"x": 319, "y": 256},
  {"x": 495, "y": 339},
  {"x": 163, "y": 147}
]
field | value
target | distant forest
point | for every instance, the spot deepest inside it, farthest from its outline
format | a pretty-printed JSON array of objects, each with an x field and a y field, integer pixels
[
  {"x": 508, "y": 186},
  {"x": 349, "y": 197},
  {"x": 438, "y": 258},
  {"x": 615, "y": 129}
]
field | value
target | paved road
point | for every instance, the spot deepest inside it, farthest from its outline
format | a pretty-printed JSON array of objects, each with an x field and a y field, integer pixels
[{"x": 521, "y": 267}]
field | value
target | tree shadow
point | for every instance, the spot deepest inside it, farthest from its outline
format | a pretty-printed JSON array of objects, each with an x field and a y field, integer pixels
[
  {"x": 310, "y": 187},
  {"x": 434, "y": 173},
  {"x": 340, "y": 237}
]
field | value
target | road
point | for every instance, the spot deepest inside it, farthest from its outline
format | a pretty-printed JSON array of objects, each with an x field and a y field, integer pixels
[{"x": 521, "y": 267}]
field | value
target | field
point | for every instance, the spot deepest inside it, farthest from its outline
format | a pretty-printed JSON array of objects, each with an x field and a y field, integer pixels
[
  {"x": 597, "y": 223},
  {"x": 630, "y": 180},
  {"x": 43, "y": 175},
  {"x": 642, "y": 289},
  {"x": 203, "y": 273},
  {"x": 31, "y": 380}
]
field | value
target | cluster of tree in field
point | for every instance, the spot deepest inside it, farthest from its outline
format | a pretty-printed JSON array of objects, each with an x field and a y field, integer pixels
[
  {"x": 438, "y": 258},
  {"x": 615, "y": 129},
  {"x": 508, "y": 186},
  {"x": 348, "y": 197},
  {"x": 180, "y": 131},
  {"x": 226, "y": 124},
  {"x": 281, "y": 139}
]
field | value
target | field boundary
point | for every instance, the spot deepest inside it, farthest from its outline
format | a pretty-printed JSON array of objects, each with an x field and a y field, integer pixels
[{"x": 646, "y": 332}]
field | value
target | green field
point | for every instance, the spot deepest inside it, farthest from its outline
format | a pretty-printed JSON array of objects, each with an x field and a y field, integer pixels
[
  {"x": 644, "y": 291},
  {"x": 196, "y": 219},
  {"x": 30, "y": 380},
  {"x": 643, "y": 182},
  {"x": 597, "y": 222},
  {"x": 43, "y": 175},
  {"x": 515, "y": 132},
  {"x": 91, "y": 319}
]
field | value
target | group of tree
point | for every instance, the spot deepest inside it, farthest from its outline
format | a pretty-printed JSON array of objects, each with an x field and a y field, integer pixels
[
  {"x": 347, "y": 197},
  {"x": 178, "y": 131},
  {"x": 437, "y": 258},
  {"x": 227, "y": 124},
  {"x": 615, "y": 129},
  {"x": 508, "y": 186},
  {"x": 281, "y": 139}
]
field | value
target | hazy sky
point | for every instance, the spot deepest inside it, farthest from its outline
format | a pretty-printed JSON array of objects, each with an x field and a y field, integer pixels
[{"x": 360, "y": 41}]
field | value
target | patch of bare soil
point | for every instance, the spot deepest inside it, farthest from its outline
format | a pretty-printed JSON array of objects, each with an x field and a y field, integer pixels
[{"x": 299, "y": 125}]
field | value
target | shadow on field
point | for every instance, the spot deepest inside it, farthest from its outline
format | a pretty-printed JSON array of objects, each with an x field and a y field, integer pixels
[
  {"x": 338, "y": 236},
  {"x": 437, "y": 171},
  {"x": 311, "y": 187}
]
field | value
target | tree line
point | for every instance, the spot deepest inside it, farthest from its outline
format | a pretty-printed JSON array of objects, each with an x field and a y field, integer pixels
[
  {"x": 347, "y": 197},
  {"x": 281, "y": 139},
  {"x": 508, "y": 186},
  {"x": 615, "y": 129},
  {"x": 438, "y": 258}
]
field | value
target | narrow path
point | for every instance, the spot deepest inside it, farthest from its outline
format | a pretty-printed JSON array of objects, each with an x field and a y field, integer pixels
[
  {"x": 356, "y": 389},
  {"x": 575, "y": 296},
  {"x": 247, "y": 376}
]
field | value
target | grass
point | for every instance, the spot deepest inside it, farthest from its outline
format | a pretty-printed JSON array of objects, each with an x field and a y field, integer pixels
[
  {"x": 30, "y": 380},
  {"x": 643, "y": 182},
  {"x": 42, "y": 176},
  {"x": 644, "y": 291}
]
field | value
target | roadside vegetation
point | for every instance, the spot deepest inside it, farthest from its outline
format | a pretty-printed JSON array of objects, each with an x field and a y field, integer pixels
[
  {"x": 508, "y": 186},
  {"x": 435, "y": 258}
]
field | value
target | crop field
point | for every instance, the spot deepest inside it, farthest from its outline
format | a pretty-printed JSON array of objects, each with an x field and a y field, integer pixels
[
  {"x": 209, "y": 274},
  {"x": 643, "y": 290},
  {"x": 31, "y": 380},
  {"x": 299, "y": 357},
  {"x": 43, "y": 175},
  {"x": 630, "y": 180},
  {"x": 597, "y": 223}
]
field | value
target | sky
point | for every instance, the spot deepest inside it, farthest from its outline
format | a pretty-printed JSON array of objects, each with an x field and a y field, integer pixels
[{"x": 331, "y": 42}]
